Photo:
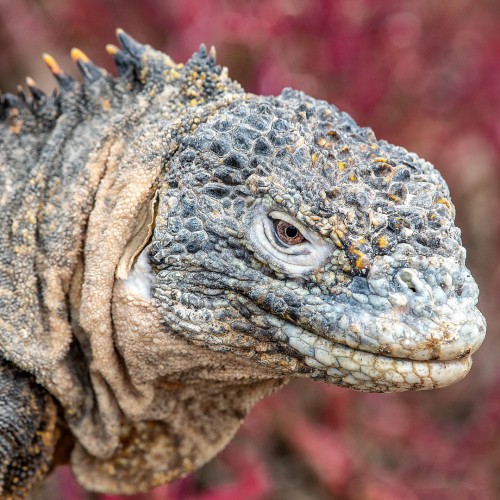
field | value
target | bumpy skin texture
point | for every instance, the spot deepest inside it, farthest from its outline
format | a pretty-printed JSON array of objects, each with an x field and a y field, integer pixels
[
  {"x": 27, "y": 431},
  {"x": 144, "y": 283}
]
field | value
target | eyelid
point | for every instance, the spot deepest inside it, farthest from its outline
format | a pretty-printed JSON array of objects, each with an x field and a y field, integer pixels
[{"x": 296, "y": 260}]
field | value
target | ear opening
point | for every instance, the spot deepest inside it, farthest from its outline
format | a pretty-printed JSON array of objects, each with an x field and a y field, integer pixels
[{"x": 139, "y": 239}]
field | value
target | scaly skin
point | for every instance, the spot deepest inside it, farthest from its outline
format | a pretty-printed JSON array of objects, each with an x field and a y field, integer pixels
[
  {"x": 27, "y": 431},
  {"x": 147, "y": 276}
]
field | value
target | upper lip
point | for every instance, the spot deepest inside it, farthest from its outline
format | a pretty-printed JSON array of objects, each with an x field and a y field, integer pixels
[{"x": 406, "y": 337}]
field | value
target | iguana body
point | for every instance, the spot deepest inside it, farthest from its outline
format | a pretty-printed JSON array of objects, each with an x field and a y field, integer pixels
[{"x": 172, "y": 249}]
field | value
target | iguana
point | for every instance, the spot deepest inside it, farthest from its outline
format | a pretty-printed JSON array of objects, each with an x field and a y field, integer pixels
[{"x": 173, "y": 249}]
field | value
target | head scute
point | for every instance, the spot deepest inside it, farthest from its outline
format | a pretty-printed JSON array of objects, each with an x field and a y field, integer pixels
[
  {"x": 206, "y": 55},
  {"x": 202, "y": 79}
]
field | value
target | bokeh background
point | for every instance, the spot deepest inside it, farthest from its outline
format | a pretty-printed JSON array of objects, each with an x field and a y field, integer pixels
[{"x": 424, "y": 74}]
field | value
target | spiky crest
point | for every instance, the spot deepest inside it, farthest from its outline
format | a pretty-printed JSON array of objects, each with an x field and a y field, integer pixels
[{"x": 143, "y": 67}]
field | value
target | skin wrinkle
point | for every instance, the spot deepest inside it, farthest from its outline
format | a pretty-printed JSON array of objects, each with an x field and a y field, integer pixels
[{"x": 135, "y": 287}]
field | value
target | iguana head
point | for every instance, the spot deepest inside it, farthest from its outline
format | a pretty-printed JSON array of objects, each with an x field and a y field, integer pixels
[{"x": 288, "y": 234}]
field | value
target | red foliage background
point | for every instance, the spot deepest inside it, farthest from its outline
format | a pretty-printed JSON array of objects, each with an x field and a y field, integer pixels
[{"x": 423, "y": 74}]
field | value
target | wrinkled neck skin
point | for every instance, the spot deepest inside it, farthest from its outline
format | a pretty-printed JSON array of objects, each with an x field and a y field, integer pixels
[{"x": 151, "y": 384}]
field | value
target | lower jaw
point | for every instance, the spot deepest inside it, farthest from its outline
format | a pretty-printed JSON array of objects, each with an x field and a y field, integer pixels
[
  {"x": 365, "y": 371},
  {"x": 384, "y": 374}
]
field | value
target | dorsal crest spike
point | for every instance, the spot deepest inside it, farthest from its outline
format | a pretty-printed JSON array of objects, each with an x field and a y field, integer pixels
[
  {"x": 66, "y": 82},
  {"x": 20, "y": 93},
  {"x": 52, "y": 64},
  {"x": 12, "y": 101},
  {"x": 124, "y": 62},
  {"x": 112, "y": 49},
  {"x": 131, "y": 46},
  {"x": 202, "y": 51},
  {"x": 212, "y": 55},
  {"x": 89, "y": 71},
  {"x": 37, "y": 93},
  {"x": 78, "y": 55}
]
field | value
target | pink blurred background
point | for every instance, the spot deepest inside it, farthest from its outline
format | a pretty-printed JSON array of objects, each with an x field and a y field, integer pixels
[{"x": 423, "y": 74}]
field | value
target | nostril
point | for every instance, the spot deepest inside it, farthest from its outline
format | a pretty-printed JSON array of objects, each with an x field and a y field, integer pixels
[{"x": 408, "y": 279}]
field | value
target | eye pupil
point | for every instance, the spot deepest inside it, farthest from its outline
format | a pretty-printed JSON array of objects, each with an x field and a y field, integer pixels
[{"x": 287, "y": 233}]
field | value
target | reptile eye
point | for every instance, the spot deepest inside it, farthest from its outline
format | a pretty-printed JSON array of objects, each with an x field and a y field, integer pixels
[
  {"x": 282, "y": 242},
  {"x": 287, "y": 233}
]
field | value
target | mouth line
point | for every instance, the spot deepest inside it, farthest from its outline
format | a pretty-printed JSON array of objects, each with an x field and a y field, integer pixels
[
  {"x": 464, "y": 355},
  {"x": 400, "y": 336}
]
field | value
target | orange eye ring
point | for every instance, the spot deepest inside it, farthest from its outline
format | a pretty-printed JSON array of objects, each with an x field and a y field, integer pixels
[{"x": 287, "y": 233}]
